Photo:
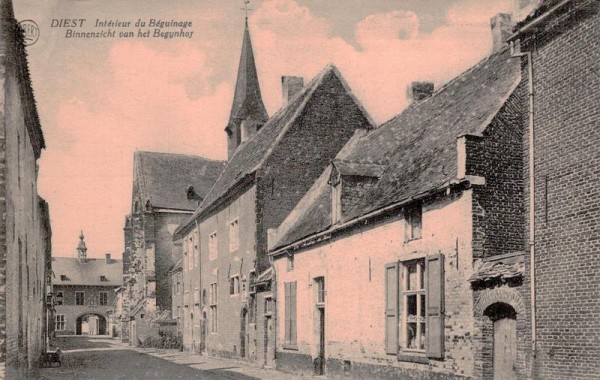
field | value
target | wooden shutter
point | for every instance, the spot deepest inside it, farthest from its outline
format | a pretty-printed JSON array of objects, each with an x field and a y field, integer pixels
[
  {"x": 391, "y": 308},
  {"x": 293, "y": 312},
  {"x": 435, "y": 306},
  {"x": 287, "y": 312}
]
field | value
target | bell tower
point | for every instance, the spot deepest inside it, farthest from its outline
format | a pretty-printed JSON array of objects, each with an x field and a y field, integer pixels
[{"x": 248, "y": 112}]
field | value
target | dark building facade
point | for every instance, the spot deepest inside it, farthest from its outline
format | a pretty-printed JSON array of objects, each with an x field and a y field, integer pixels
[
  {"x": 23, "y": 237},
  {"x": 166, "y": 190},
  {"x": 561, "y": 40}
]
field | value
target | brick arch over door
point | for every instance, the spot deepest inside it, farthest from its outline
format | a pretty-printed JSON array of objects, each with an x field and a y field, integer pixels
[{"x": 505, "y": 295}]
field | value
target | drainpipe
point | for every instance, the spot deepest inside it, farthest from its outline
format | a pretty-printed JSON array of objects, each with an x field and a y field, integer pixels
[
  {"x": 199, "y": 317},
  {"x": 275, "y": 304},
  {"x": 531, "y": 194}
]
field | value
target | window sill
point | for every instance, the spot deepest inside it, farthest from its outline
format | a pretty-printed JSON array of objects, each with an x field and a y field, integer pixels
[
  {"x": 413, "y": 358},
  {"x": 406, "y": 241},
  {"x": 290, "y": 346}
]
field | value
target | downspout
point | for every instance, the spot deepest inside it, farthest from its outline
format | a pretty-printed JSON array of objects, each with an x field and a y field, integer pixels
[
  {"x": 275, "y": 304},
  {"x": 531, "y": 194}
]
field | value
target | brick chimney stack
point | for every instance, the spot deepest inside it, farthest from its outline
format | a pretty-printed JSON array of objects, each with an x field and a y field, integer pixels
[
  {"x": 418, "y": 91},
  {"x": 501, "y": 29},
  {"x": 107, "y": 258},
  {"x": 290, "y": 86}
]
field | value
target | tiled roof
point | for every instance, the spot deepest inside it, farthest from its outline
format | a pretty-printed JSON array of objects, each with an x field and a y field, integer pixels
[
  {"x": 87, "y": 272},
  {"x": 541, "y": 8},
  {"x": 423, "y": 137},
  {"x": 165, "y": 178},
  {"x": 498, "y": 271},
  {"x": 251, "y": 154},
  {"x": 177, "y": 267},
  {"x": 360, "y": 169},
  {"x": 417, "y": 147}
]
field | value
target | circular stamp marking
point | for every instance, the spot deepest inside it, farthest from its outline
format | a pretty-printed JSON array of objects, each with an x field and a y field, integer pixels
[{"x": 31, "y": 32}]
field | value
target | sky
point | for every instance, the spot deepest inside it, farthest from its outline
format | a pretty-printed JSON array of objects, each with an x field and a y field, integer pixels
[{"x": 101, "y": 99}]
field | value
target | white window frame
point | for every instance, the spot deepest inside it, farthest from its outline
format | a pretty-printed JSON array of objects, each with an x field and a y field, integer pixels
[
  {"x": 100, "y": 298},
  {"x": 234, "y": 235},
  {"x": 62, "y": 295},
  {"x": 60, "y": 320},
  {"x": 234, "y": 285},
  {"x": 412, "y": 232},
  {"x": 420, "y": 317},
  {"x": 80, "y": 292}
]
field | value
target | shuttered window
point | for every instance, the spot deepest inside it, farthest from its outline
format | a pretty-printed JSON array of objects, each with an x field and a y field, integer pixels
[
  {"x": 290, "y": 313},
  {"x": 414, "y": 307},
  {"x": 391, "y": 308}
]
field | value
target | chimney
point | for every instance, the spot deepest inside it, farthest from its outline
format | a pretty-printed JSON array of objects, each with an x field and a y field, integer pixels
[
  {"x": 419, "y": 90},
  {"x": 107, "y": 258},
  {"x": 501, "y": 29},
  {"x": 290, "y": 86}
]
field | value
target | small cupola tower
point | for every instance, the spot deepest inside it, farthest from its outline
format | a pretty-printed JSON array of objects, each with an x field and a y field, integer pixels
[
  {"x": 81, "y": 248},
  {"x": 248, "y": 113}
]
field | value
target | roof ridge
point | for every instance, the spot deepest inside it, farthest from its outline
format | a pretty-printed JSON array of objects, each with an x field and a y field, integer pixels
[{"x": 180, "y": 154}]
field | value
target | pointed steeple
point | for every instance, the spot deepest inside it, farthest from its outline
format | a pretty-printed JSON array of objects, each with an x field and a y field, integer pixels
[{"x": 247, "y": 111}]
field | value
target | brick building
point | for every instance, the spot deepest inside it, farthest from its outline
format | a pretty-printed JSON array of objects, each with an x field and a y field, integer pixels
[
  {"x": 561, "y": 40},
  {"x": 272, "y": 163},
  {"x": 84, "y": 289},
  {"x": 23, "y": 239},
  {"x": 166, "y": 191},
  {"x": 404, "y": 260}
]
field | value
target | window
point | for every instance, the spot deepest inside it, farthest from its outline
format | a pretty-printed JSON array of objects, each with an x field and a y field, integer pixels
[
  {"x": 290, "y": 262},
  {"x": 178, "y": 282},
  {"x": 234, "y": 236},
  {"x": 269, "y": 306},
  {"x": 196, "y": 296},
  {"x": 60, "y": 296},
  {"x": 414, "y": 307},
  {"x": 336, "y": 202},
  {"x": 59, "y": 322},
  {"x": 186, "y": 298},
  {"x": 103, "y": 298},
  {"x": 290, "y": 314},
  {"x": 213, "y": 307},
  {"x": 178, "y": 315},
  {"x": 414, "y": 217},
  {"x": 196, "y": 247},
  {"x": 103, "y": 279},
  {"x": 234, "y": 285},
  {"x": 212, "y": 246},
  {"x": 63, "y": 277},
  {"x": 320, "y": 281},
  {"x": 79, "y": 298},
  {"x": 189, "y": 253}
]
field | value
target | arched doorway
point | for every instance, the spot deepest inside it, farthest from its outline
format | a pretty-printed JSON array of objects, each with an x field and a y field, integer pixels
[
  {"x": 504, "y": 319},
  {"x": 91, "y": 324},
  {"x": 243, "y": 330}
]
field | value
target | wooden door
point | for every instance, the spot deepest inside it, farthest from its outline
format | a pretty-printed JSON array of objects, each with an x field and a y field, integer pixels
[
  {"x": 269, "y": 349},
  {"x": 505, "y": 349},
  {"x": 321, "y": 369}
]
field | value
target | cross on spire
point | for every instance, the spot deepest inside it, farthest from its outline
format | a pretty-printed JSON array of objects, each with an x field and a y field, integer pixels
[{"x": 246, "y": 8}]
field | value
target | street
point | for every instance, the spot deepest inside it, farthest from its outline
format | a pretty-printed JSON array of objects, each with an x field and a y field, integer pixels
[{"x": 99, "y": 358}]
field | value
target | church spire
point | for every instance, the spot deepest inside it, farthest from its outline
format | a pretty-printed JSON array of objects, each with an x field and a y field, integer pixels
[{"x": 247, "y": 111}]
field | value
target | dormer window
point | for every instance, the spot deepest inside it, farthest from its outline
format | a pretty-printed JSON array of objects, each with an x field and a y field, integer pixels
[
  {"x": 103, "y": 279},
  {"x": 63, "y": 277},
  {"x": 414, "y": 221}
]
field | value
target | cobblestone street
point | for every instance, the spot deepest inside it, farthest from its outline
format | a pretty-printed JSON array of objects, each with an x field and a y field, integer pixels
[{"x": 96, "y": 358}]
